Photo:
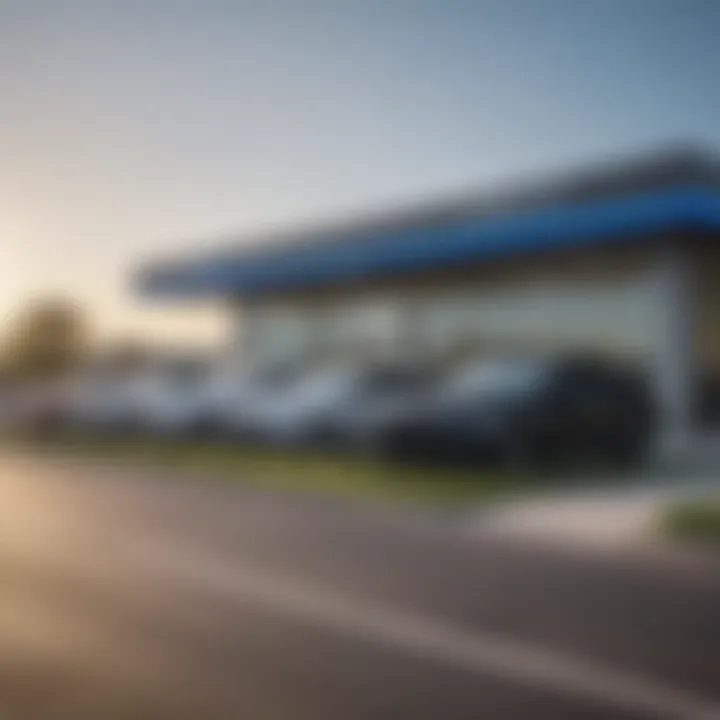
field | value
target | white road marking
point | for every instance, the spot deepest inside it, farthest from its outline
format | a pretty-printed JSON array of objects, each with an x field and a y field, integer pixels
[{"x": 483, "y": 653}]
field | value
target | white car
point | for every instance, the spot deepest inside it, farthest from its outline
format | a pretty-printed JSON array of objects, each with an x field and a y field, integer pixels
[
  {"x": 381, "y": 395},
  {"x": 101, "y": 399},
  {"x": 344, "y": 406},
  {"x": 173, "y": 397},
  {"x": 227, "y": 397},
  {"x": 284, "y": 410}
]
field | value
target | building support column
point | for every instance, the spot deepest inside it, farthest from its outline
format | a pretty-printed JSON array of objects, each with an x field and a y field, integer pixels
[{"x": 673, "y": 363}]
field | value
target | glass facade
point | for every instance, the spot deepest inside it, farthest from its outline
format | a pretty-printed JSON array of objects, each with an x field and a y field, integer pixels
[{"x": 543, "y": 315}]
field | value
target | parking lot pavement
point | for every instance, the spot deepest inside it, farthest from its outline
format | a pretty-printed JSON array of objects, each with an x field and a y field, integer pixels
[{"x": 128, "y": 597}]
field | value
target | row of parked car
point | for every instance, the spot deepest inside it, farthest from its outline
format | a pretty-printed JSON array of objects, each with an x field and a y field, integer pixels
[{"x": 539, "y": 411}]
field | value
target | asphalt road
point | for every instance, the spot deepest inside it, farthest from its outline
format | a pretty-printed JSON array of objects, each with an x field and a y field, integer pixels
[{"x": 128, "y": 595}]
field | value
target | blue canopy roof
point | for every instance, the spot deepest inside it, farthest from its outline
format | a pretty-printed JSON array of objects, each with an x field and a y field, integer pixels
[{"x": 455, "y": 241}]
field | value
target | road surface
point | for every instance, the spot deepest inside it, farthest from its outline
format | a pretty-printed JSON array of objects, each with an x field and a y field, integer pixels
[{"x": 129, "y": 595}]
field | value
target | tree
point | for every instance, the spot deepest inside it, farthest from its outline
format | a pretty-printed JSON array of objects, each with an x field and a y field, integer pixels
[{"x": 47, "y": 339}]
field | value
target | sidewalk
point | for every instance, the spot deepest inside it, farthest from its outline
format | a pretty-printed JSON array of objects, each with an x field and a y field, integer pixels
[{"x": 607, "y": 519}]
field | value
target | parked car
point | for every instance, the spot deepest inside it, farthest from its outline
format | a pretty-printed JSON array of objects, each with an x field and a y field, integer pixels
[
  {"x": 101, "y": 400},
  {"x": 224, "y": 399},
  {"x": 236, "y": 401},
  {"x": 176, "y": 397},
  {"x": 37, "y": 408},
  {"x": 282, "y": 408},
  {"x": 531, "y": 412},
  {"x": 333, "y": 405},
  {"x": 378, "y": 397}
]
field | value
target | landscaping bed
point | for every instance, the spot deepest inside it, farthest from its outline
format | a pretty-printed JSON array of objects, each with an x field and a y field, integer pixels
[{"x": 694, "y": 520}]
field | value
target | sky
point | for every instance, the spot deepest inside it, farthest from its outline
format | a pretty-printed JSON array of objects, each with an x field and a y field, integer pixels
[{"x": 137, "y": 129}]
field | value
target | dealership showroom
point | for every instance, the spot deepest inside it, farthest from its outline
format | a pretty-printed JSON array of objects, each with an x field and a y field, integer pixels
[{"x": 621, "y": 260}]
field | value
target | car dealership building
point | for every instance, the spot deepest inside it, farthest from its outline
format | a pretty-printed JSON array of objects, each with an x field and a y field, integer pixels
[{"x": 622, "y": 260}]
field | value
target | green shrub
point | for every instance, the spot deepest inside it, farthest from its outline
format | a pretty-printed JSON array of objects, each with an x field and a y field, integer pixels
[{"x": 694, "y": 520}]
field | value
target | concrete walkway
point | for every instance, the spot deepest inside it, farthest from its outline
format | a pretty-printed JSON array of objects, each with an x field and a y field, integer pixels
[{"x": 603, "y": 519}]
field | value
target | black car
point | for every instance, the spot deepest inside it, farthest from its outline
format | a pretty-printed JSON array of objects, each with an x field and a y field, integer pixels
[{"x": 547, "y": 413}]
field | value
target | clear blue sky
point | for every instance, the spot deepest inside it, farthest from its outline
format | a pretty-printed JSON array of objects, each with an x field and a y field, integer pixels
[{"x": 135, "y": 128}]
